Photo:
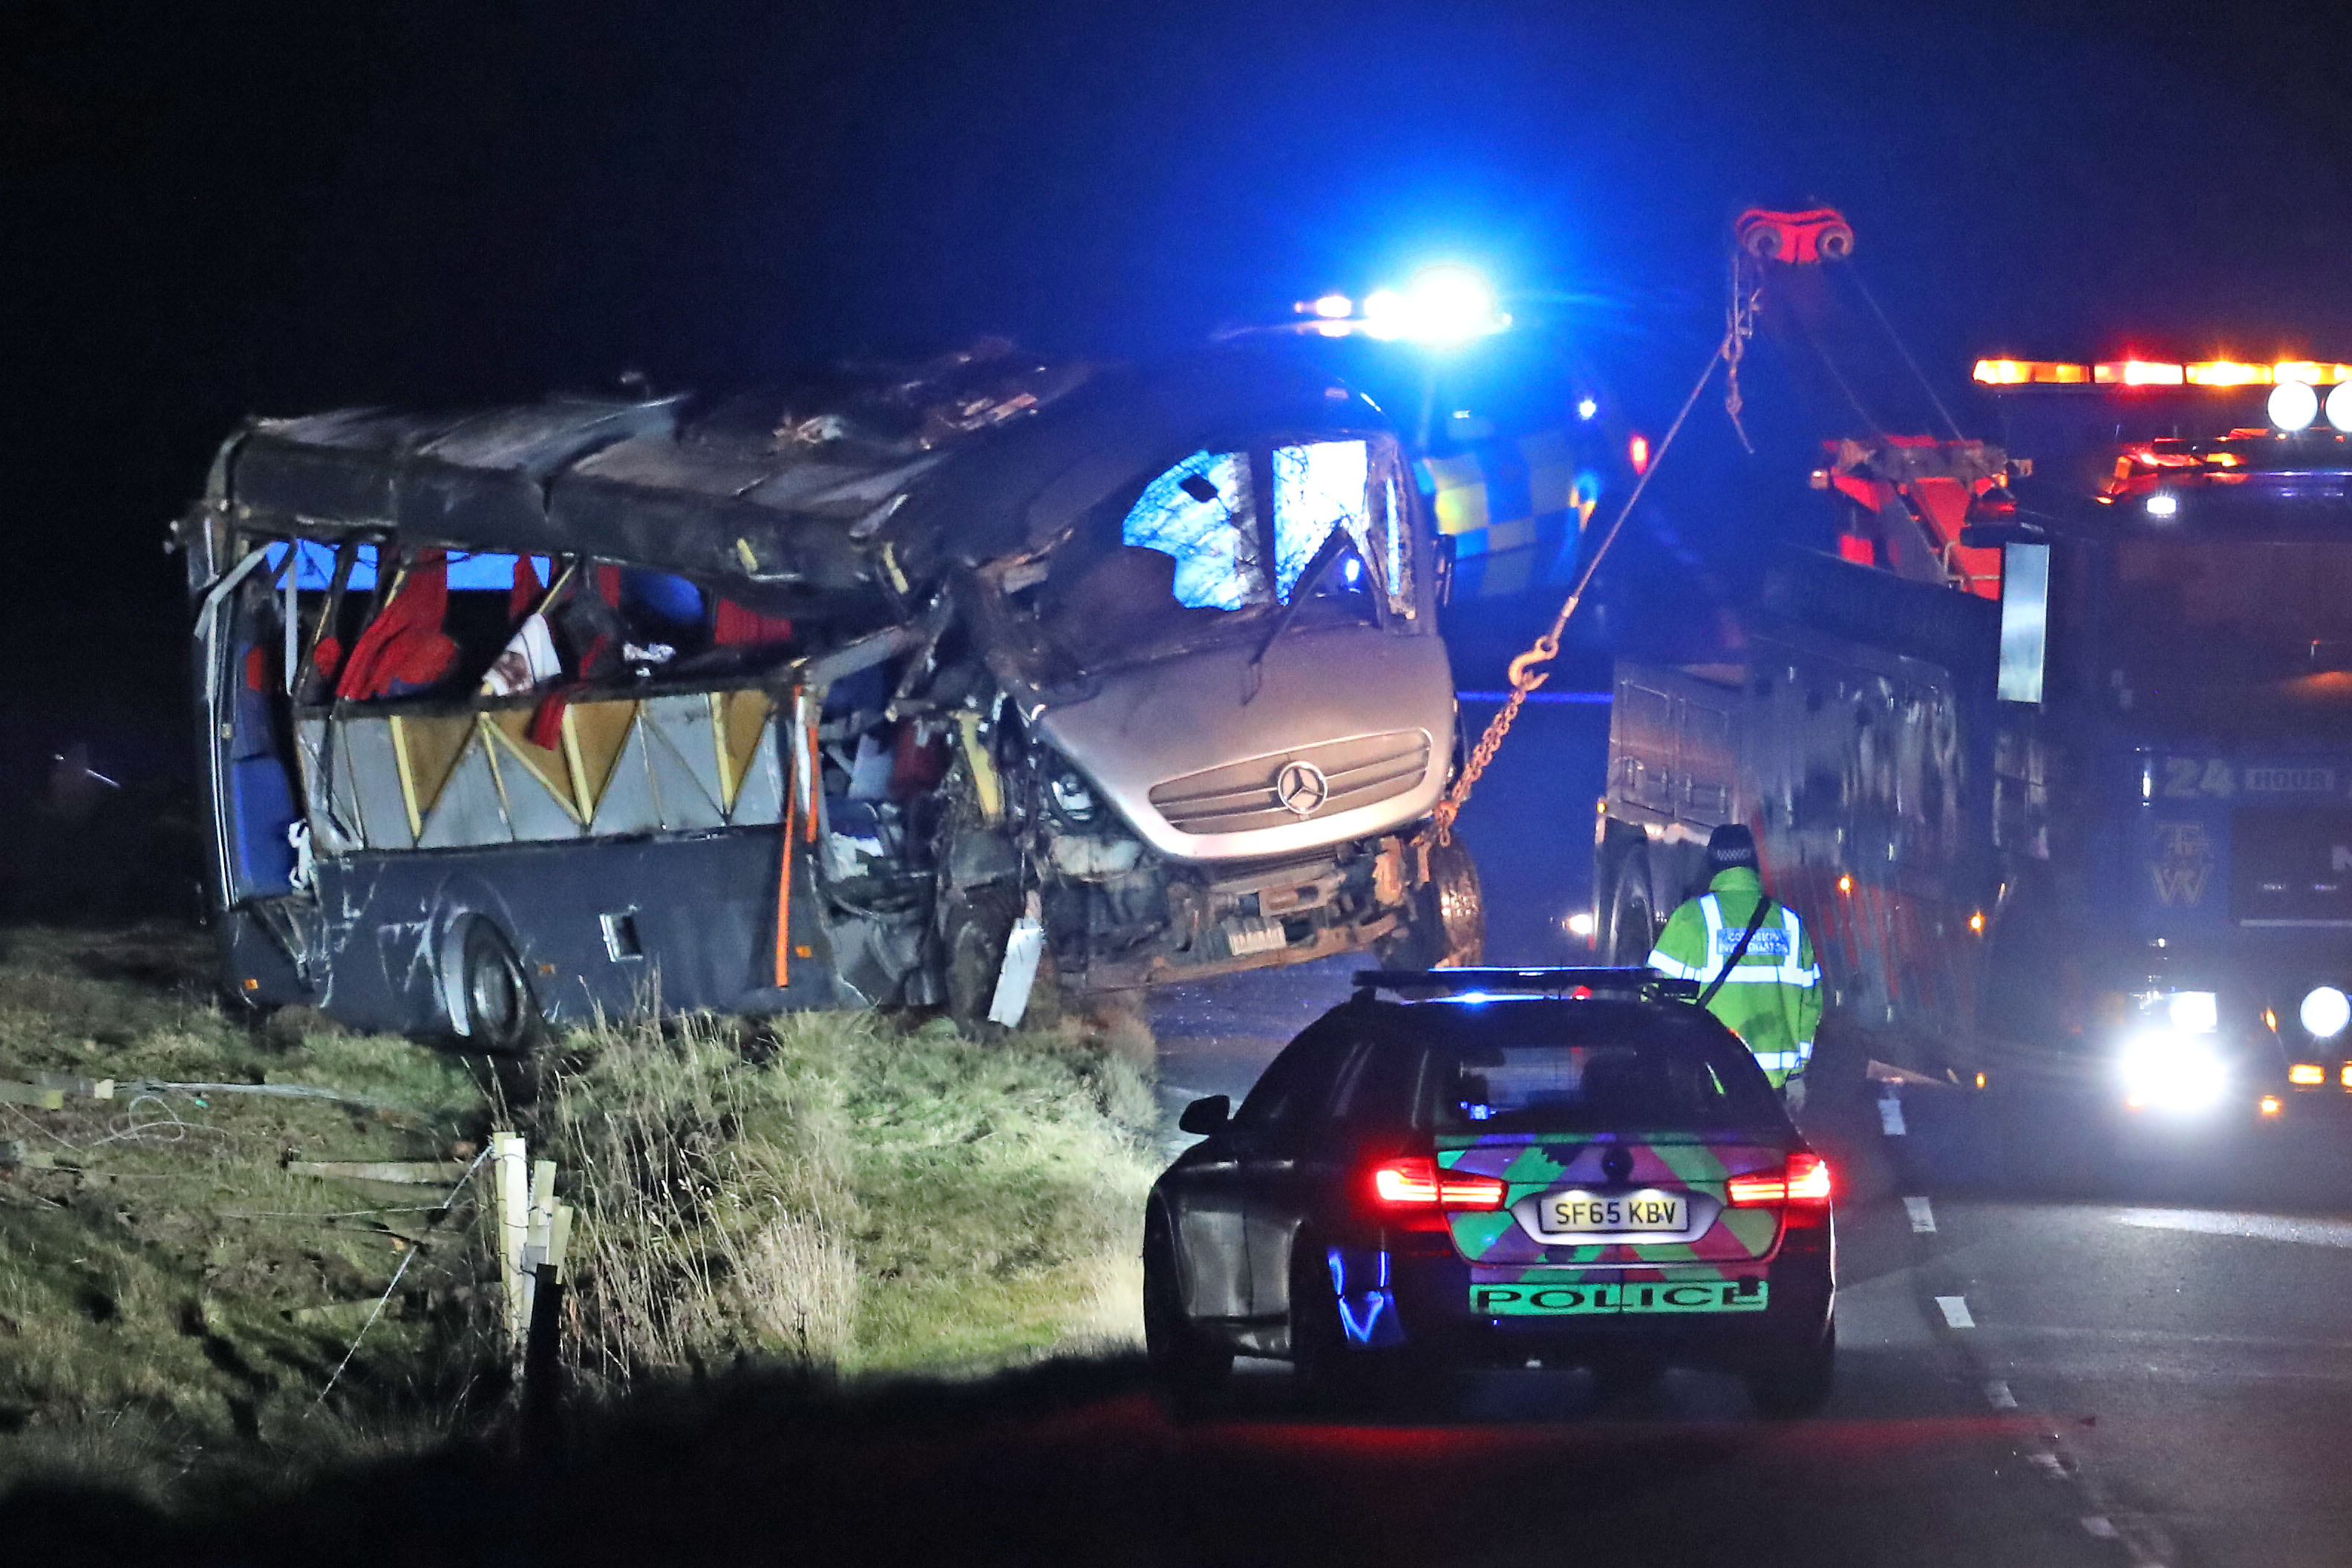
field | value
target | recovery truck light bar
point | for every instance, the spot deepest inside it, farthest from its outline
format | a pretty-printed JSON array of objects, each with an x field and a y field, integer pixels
[{"x": 2157, "y": 373}]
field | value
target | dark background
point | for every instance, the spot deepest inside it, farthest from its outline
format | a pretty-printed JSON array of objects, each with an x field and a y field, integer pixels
[{"x": 209, "y": 210}]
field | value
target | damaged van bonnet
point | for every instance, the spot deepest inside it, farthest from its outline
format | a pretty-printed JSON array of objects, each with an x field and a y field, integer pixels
[{"x": 955, "y": 685}]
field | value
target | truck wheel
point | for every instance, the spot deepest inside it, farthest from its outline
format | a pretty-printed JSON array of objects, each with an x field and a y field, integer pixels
[
  {"x": 1795, "y": 1381},
  {"x": 1632, "y": 930},
  {"x": 1445, "y": 918},
  {"x": 1185, "y": 1372},
  {"x": 501, "y": 1014}
]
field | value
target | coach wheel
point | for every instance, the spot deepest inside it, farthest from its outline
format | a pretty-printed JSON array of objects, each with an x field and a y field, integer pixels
[
  {"x": 975, "y": 924},
  {"x": 502, "y": 1014},
  {"x": 1185, "y": 1371},
  {"x": 1796, "y": 1381}
]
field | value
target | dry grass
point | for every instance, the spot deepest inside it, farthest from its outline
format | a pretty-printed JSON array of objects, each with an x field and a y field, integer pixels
[
  {"x": 172, "y": 1303},
  {"x": 827, "y": 1189},
  {"x": 832, "y": 1191}
]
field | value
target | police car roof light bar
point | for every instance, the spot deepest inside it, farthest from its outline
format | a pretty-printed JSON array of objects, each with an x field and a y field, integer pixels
[{"x": 1554, "y": 983}]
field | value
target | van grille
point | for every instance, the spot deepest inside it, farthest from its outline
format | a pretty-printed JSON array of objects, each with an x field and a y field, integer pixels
[{"x": 1240, "y": 797}]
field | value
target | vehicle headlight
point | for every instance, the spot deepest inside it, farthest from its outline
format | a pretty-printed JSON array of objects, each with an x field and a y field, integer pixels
[
  {"x": 1071, "y": 795},
  {"x": 2294, "y": 405},
  {"x": 2171, "y": 1070},
  {"x": 2326, "y": 1011},
  {"x": 2194, "y": 1012}
]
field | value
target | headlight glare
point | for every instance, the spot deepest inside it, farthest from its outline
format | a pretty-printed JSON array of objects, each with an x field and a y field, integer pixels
[
  {"x": 2326, "y": 1011},
  {"x": 2171, "y": 1071},
  {"x": 2194, "y": 1012}
]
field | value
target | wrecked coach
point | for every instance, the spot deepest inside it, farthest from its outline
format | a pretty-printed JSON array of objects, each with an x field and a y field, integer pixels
[{"x": 820, "y": 695}]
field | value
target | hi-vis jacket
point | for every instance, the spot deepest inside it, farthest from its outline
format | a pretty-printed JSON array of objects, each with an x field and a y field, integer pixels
[{"x": 1772, "y": 997}]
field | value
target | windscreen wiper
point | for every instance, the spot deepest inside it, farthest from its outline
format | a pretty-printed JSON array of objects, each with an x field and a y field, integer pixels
[{"x": 1334, "y": 545}]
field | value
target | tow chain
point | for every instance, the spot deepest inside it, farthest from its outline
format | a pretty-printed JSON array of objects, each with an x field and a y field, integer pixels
[{"x": 1525, "y": 676}]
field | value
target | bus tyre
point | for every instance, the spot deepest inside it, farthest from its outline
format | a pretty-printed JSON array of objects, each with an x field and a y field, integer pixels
[
  {"x": 1445, "y": 918},
  {"x": 1794, "y": 1381},
  {"x": 1186, "y": 1374},
  {"x": 975, "y": 924},
  {"x": 501, "y": 1014}
]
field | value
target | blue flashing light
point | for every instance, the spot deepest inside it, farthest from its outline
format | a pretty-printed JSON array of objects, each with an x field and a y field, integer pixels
[
  {"x": 1601, "y": 699},
  {"x": 1444, "y": 306},
  {"x": 1586, "y": 408}
]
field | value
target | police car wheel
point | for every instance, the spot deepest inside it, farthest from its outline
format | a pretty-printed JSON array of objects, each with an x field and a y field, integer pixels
[
  {"x": 1319, "y": 1357},
  {"x": 502, "y": 1014},
  {"x": 1796, "y": 1381},
  {"x": 1184, "y": 1371}
]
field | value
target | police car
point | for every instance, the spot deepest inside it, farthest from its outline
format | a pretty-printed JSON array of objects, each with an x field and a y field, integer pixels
[{"x": 1487, "y": 1167}]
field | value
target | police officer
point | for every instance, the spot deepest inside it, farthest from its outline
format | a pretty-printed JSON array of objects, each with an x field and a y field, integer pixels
[{"x": 1752, "y": 960}]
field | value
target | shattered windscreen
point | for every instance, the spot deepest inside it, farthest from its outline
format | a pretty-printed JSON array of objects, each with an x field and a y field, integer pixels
[
  {"x": 1224, "y": 539},
  {"x": 1200, "y": 514}
]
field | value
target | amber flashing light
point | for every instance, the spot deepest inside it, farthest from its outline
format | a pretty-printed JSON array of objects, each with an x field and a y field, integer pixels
[
  {"x": 2223, "y": 372},
  {"x": 2227, "y": 373},
  {"x": 2030, "y": 372}
]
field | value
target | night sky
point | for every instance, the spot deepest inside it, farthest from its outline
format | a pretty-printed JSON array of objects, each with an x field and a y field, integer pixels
[{"x": 212, "y": 210}]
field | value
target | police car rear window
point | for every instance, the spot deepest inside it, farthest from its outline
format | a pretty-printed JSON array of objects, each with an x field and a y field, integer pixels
[{"x": 1633, "y": 1079}]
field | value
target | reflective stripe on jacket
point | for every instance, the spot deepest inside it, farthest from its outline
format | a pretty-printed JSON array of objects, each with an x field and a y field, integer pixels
[{"x": 1772, "y": 997}]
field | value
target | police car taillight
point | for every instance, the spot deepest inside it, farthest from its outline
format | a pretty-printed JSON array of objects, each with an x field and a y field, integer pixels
[
  {"x": 1803, "y": 1181},
  {"x": 1417, "y": 1184}
]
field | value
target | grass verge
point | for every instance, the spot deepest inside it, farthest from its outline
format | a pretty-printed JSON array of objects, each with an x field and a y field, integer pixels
[{"x": 829, "y": 1190}]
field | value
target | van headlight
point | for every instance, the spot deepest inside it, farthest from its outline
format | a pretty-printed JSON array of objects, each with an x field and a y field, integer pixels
[
  {"x": 2171, "y": 1070},
  {"x": 2326, "y": 1011}
]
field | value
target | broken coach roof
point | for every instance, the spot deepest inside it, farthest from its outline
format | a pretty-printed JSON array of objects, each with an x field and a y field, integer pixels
[{"x": 978, "y": 455}]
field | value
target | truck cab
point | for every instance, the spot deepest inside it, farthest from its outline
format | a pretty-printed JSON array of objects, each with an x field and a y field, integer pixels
[{"x": 2056, "y": 752}]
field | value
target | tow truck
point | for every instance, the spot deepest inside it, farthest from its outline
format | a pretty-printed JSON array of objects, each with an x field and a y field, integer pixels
[{"x": 2053, "y": 743}]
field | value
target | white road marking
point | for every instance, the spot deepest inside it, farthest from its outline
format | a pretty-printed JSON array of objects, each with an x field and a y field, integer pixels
[
  {"x": 1923, "y": 1215},
  {"x": 1997, "y": 1395},
  {"x": 1890, "y": 1117},
  {"x": 2051, "y": 1464},
  {"x": 1956, "y": 1311},
  {"x": 2100, "y": 1525},
  {"x": 2253, "y": 1227}
]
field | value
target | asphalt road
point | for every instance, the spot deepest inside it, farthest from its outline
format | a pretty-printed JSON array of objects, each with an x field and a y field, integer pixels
[
  {"x": 2063, "y": 1339},
  {"x": 2057, "y": 1349},
  {"x": 2063, "y": 1342}
]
